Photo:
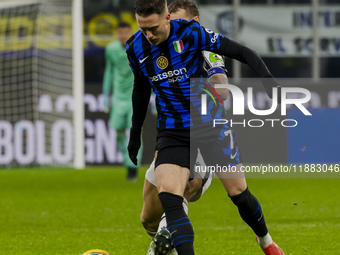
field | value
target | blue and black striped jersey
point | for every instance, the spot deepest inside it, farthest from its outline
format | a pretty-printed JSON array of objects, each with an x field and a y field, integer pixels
[{"x": 170, "y": 65}]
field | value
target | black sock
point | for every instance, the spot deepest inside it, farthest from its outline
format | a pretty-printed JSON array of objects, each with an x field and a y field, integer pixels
[
  {"x": 178, "y": 223},
  {"x": 251, "y": 212}
]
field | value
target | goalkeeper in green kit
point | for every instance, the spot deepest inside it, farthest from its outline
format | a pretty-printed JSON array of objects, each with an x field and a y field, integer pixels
[{"x": 118, "y": 79}]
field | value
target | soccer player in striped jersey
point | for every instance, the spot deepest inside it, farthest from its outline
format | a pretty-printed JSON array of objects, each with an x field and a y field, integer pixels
[
  {"x": 166, "y": 54},
  {"x": 151, "y": 217}
]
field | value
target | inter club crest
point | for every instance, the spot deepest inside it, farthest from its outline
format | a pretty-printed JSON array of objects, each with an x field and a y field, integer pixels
[{"x": 179, "y": 47}]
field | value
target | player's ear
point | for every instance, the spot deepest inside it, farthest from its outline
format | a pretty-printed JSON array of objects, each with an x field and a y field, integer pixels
[
  {"x": 168, "y": 17},
  {"x": 197, "y": 18}
]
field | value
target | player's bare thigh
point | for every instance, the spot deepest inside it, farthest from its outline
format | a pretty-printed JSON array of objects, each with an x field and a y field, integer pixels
[
  {"x": 152, "y": 208},
  {"x": 171, "y": 178},
  {"x": 233, "y": 182}
]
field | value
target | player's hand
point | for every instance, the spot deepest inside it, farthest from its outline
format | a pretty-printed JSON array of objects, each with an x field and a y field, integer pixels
[
  {"x": 134, "y": 145},
  {"x": 269, "y": 84}
]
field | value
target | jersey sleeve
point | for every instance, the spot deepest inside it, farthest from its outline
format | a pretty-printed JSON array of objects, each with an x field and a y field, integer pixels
[
  {"x": 131, "y": 55},
  {"x": 140, "y": 95},
  {"x": 222, "y": 45},
  {"x": 210, "y": 40},
  {"x": 140, "y": 100},
  {"x": 131, "y": 63}
]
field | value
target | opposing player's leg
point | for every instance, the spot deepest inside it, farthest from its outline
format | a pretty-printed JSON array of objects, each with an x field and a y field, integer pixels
[
  {"x": 201, "y": 181},
  {"x": 152, "y": 209},
  {"x": 248, "y": 206},
  {"x": 235, "y": 184},
  {"x": 250, "y": 211}
]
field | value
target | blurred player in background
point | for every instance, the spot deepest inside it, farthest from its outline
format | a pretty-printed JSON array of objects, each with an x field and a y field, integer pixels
[
  {"x": 166, "y": 54},
  {"x": 118, "y": 80}
]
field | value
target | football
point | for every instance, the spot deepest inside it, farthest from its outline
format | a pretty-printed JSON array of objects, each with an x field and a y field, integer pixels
[{"x": 96, "y": 252}]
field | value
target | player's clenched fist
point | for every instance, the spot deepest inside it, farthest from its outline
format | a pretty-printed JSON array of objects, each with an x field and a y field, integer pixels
[{"x": 134, "y": 144}]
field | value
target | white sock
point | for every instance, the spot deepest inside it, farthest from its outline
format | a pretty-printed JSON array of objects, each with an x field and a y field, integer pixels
[
  {"x": 265, "y": 240},
  {"x": 162, "y": 223},
  {"x": 150, "y": 233},
  {"x": 185, "y": 205}
]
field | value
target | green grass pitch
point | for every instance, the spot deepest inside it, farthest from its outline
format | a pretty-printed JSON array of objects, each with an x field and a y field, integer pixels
[{"x": 65, "y": 211}]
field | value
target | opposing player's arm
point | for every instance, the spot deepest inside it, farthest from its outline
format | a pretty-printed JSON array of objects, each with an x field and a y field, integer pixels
[
  {"x": 220, "y": 79},
  {"x": 222, "y": 45},
  {"x": 254, "y": 61}
]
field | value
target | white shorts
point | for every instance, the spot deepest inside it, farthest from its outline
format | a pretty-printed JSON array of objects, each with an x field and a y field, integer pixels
[{"x": 150, "y": 173}]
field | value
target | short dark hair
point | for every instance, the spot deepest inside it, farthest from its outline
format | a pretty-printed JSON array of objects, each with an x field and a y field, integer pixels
[
  {"x": 148, "y": 7},
  {"x": 123, "y": 24},
  {"x": 188, "y": 5}
]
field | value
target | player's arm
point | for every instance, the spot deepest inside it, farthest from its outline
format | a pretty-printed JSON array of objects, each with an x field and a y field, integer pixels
[
  {"x": 140, "y": 102},
  {"x": 215, "y": 42},
  {"x": 248, "y": 56},
  {"x": 108, "y": 79},
  {"x": 220, "y": 79}
]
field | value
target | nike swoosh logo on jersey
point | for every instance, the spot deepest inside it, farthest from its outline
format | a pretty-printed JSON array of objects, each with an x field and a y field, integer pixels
[
  {"x": 233, "y": 156},
  {"x": 142, "y": 60}
]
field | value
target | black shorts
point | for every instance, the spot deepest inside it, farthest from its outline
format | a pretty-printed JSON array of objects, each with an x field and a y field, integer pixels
[
  {"x": 173, "y": 147},
  {"x": 217, "y": 146}
]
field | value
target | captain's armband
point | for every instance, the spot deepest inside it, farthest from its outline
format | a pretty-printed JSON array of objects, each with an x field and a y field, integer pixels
[{"x": 216, "y": 70}]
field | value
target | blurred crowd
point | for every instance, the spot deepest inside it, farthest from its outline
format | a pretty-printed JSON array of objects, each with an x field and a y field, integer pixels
[
  {"x": 291, "y": 67},
  {"x": 129, "y": 3}
]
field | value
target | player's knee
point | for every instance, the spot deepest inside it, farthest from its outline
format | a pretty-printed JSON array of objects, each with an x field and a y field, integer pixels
[
  {"x": 193, "y": 190},
  {"x": 149, "y": 223},
  {"x": 240, "y": 197},
  {"x": 235, "y": 191}
]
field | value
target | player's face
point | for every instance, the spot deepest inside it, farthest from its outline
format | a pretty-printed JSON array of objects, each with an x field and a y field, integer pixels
[
  {"x": 155, "y": 27},
  {"x": 183, "y": 14},
  {"x": 123, "y": 34}
]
